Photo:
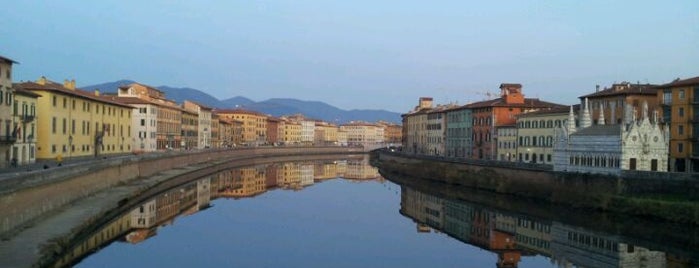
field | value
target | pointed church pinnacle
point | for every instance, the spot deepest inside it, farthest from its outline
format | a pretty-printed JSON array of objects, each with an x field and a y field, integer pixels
[
  {"x": 571, "y": 121},
  {"x": 586, "y": 121}
]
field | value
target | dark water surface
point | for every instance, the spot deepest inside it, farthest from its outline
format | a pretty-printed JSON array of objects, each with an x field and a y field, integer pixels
[{"x": 344, "y": 214}]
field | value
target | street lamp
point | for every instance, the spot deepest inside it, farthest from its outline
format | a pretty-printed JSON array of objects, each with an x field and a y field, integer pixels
[{"x": 70, "y": 146}]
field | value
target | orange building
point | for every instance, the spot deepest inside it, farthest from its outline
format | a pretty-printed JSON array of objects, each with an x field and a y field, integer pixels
[
  {"x": 254, "y": 128},
  {"x": 499, "y": 112},
  {"x": 678, "y": 100}
]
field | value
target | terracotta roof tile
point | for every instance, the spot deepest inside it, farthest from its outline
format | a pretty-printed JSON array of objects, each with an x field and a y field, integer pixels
[
  {"x": 624, "y": 89},
  {"x": 59, "y": 88},
  {"x": 680, "y": 83}
]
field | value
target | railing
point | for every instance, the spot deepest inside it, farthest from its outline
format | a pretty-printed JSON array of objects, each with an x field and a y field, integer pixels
[
  {"x": 27, "y": 118},
  {"x": 8, "y": 138}
]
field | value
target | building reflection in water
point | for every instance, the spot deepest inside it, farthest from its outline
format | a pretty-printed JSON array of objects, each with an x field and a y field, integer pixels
[
  {"x": 143, "y": 221},
  {"x": 511, "y": 236}
]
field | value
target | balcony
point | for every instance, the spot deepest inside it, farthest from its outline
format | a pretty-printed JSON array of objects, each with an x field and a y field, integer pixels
[
  {"x": 27, "y": 118},
  {"x": 5, "y": 139}
]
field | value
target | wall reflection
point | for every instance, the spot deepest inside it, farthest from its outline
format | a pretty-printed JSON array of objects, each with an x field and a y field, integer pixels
[
  {"x": 513, "y": 236},
  {"x": 142, "y": 222}
]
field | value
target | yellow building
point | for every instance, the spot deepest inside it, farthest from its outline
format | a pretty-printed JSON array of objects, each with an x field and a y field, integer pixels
[
  {"x": 678, "y": 100},
  {"x": 225, "y": 132},
  {"x": 215, "y": 131},
  {"x": 507, "y": 142},
  {"x": 237, "y": 129},
  {"x": 7, "y": 130},
  {"x": 24, "y": 149},
  {"x": 249, "y": 182},
  {"x": 190, "y": 129},
  {"x": 289, "y": 176},
  {"x": 393, "y": 133},
  {"x": 254, "y": 130},
  {"x": 325, "y": 133},
  {"x": 292, "y": 132},
  {"x": 76, "y": 123}
]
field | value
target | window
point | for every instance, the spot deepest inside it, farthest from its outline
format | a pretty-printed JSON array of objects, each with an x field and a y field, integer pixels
[
  {"x": 681, "y": 94},
  {"x": 680, "y": 147},
  {"x": 680, "y": 112},
  {"x": 143, "y": 122},
  {"x": 53, "y": 101},
  {"x": 53, "y": 125},
  {"x": 667, "y": 96},
  {"x": 680, "y": 129}
]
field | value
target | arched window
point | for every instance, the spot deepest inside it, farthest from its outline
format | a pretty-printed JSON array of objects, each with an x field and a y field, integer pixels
[
  {"x": 542, "y": 123},
  {"x": 527, "y": 124},
  {"x": 558, "y": 123},
  {"x": 533, "y": 141},
  {"x": 550, "y": 141},
  {"x": 549, "y": 124},
  {"x": 535, "y": 124},
  {"x": 541, "y": 141}
]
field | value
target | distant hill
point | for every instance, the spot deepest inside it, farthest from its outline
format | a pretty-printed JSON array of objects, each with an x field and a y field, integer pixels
[{"x": 274, "y": 106}]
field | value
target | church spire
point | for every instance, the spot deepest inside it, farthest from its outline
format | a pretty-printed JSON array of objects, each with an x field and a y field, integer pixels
[
  {"x": 586, "y": 121},
  {"x": 571, "y": 121},
  {"x": 600, "y": 120}
]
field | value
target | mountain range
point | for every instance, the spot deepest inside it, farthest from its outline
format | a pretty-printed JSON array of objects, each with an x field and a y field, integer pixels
[{"x": 274, "y": 106}]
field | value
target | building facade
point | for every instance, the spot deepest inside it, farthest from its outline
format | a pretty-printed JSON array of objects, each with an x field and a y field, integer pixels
[
  {"x": 636, "y": 144},
  {"x": 190, "y": 129},
  {"x": 458, "y": 136},
  {"x": 76, "y": 123},
  {"x": 507, "y": 143},
  {"x": 415, "y": 127},
  {"x": 489, "y": 114},
  {"x": 614, "y": 99},
  {"x": 679, "y": 102},
  {"x": 535, "y": 134},
  {"x": 204, "y": 119},
  {"x": 24, "y": 122},
  {"x": 7, "y": 126},
  {"x": 254, "y": 128}
]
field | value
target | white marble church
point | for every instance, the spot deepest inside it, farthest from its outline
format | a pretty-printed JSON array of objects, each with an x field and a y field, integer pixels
[{"x": 636, "y": 144}]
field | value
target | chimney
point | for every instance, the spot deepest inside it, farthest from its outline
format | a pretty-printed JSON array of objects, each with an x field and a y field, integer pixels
[
  {"x": 596, "y": 88},
  {"x": 97, "y": 92},
  {"x": 69, "y": 84},
  {"x": 425, "y": 102},
  {"x": 41, "y": 80}
]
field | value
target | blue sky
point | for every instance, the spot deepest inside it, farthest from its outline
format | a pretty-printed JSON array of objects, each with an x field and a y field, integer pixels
[{"x": 356, "y": 54}]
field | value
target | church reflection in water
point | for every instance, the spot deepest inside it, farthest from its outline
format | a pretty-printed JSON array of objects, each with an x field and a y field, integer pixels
[{"x": 510, "y": 233}]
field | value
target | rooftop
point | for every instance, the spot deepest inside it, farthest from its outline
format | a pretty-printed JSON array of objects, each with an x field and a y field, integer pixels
[
  {"x": 680, "y": 83},
  {"x": 60, "y": 88},
  {"x": 624, "y": 88},
  {"x": 500, "y": 102}
]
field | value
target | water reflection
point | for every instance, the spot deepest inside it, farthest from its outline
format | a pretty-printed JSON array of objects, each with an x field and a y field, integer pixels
[
  {"x": 512, "y": 235},
  {"x": 513, "y": 230},
  {"x": 142, "y": 222}
]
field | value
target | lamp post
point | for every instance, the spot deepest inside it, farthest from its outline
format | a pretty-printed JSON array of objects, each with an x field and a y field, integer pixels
[{"x": 70, "y": 146}]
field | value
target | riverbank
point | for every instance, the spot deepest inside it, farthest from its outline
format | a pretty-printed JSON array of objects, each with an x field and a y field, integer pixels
[
  {"x": 59, "y": 204},
  {"x": 671, "y": 199}
]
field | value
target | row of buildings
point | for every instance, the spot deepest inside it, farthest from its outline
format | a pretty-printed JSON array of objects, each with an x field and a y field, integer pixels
[
  {"x": 44, "y": 119},
  {"x": 624, "y": 127}
]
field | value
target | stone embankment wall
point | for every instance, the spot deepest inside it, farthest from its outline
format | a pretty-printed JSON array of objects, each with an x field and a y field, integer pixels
[
  {"x": 29, "y": 195},
  {"x": 653, "y": 194}
]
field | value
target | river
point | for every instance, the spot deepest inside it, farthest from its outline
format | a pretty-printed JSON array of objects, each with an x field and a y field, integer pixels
[{"x": 343, "y": 213}]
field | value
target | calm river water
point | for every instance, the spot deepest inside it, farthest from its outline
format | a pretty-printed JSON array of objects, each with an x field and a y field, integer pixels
[{"x": 342, "y": 213}]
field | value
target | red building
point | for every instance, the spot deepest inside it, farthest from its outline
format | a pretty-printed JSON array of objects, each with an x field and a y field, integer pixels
[{"x": 498, "y": 112}]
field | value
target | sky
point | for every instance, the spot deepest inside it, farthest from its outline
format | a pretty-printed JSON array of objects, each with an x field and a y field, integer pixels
[{"x": 356, "y": 54}]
